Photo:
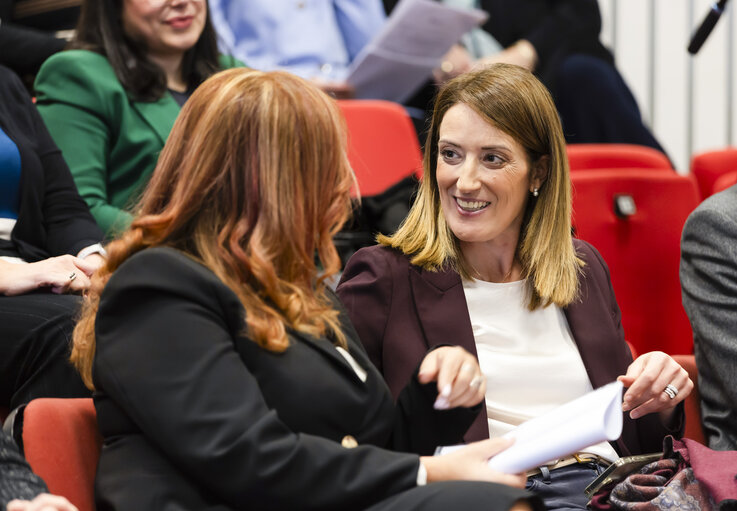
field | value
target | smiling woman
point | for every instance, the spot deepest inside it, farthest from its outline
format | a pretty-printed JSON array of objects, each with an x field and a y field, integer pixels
[
  {"x": 111, "y": 101},
  {"x": 485, "y": 260}
]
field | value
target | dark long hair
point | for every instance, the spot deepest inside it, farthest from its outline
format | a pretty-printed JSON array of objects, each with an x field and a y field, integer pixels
[{"x": 100, "y": 29}]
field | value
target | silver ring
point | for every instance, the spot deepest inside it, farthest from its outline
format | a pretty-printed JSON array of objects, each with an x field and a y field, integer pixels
[
  {"x": 671, "y": 390},
  {"x": 72, "y": 276},
  {"x": 475, "y": 382},
  {"x": 466, "y": 367}
]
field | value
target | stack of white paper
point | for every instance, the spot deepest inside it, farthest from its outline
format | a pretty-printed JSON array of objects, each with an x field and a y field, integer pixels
[
  {"x": 593, "y": 418},
  {"x": 411, "y": 44}
]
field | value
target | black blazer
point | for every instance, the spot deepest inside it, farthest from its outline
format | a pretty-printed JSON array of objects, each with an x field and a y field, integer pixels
[
  {"x": 196, "y": 415},
  {"x": 401, "y": 310},
  {"x": 53, "y": 219}
]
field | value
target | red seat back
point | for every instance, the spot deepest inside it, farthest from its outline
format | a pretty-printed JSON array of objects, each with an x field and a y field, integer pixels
[
  {"x": 642, "y": 250},
  {"x": 382, "y": 144},
  {"x": 62, "y": 444},
  {"x": 724, "y": 181},
  {"x": 614, "y": 156},
  {"x": 708, "y": 166}
]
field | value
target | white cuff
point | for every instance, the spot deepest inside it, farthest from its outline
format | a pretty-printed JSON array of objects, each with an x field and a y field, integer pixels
[
  {"x": 421, "y": 475},
  {"x": 92, "y": 249}
]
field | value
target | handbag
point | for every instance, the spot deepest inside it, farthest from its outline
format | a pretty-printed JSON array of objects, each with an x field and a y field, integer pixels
[{"x": 688, "y": 477}]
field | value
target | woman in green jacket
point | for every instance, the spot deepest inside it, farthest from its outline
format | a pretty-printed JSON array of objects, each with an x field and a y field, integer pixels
[{"x": 111, "y": 101}]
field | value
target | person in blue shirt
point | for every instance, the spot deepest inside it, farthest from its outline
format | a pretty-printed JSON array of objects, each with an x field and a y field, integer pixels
[{"x": 316, "y": 39}]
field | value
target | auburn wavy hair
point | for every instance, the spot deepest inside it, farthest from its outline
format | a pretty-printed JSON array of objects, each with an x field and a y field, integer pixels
[{"x": 253, "y": 182}]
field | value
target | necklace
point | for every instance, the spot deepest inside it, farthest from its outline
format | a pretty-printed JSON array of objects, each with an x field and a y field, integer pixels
[{"x": 504, "y": 280}]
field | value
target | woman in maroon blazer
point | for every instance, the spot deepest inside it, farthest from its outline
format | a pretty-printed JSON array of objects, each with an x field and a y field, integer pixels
[{"x": 485, "y": 260}]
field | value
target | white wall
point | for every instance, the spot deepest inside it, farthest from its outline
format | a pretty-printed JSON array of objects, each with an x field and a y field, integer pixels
[{"x": 688, "y": 100}]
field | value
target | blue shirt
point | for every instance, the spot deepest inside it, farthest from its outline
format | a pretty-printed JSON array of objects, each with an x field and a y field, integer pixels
[
  {"x": 9, "y": 177},
  {"x": 310, "y": 38}
]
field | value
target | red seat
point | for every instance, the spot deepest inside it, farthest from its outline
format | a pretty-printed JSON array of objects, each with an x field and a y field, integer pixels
[
  {"x": 692, "y": 404},
  {"x": 642, "y": 250},
  {"x": 62, "y": 444},
  {"x": 382, "y": 144},
  {"x": 611, "y": 156},
  {"x": 708, "y": 166},
  {"x": 724, "y": 181}
]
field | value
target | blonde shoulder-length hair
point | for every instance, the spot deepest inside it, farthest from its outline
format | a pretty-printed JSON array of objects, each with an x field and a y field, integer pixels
[
  {"x": 514, "y": 101},
  {"x": 253, "y": 182}
]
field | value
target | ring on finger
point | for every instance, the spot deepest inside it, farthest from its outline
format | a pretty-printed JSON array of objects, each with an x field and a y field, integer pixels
[
  {"x": 671, "y": 390},
  {"x": 72, "y": 276},
  {"x": 466, "y": 367},
  {"x": 475, "y": 382}
]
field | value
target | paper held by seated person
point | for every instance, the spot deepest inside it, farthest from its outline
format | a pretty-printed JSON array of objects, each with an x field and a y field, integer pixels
[
  {"x": 588, "y": 420},
  {"x": 411, "y": 44}
]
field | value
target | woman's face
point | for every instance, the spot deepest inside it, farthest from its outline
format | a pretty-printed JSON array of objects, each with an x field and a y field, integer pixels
[
  {"x": 483, "y": 178},
  {"x": 166, "y": 26}
]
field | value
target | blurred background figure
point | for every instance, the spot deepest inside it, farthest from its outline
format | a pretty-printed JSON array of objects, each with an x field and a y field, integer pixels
[
  {"x": 559, "y": 41},
  {"x": 49, "y": 248},
  {"x": 33, "y": 30},
  {"x": 110, "y": 102},
  {"x": 316, "y": 40}
]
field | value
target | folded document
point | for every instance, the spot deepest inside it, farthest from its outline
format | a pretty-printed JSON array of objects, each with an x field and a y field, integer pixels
[{"x": 592, "y": 418}]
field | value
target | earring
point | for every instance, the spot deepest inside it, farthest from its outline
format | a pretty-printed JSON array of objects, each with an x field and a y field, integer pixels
[{"x": 535, "y": 192}]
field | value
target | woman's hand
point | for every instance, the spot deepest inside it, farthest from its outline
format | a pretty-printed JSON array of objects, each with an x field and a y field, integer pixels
[
  {"x": 647, "y": 378},
  {"x": 455, "y": 62},
  {"x": 43, "y": 502},
  {"x": 63, "y": 274},
  {"x": 471, "y": 463},
  {"x": 522, "y": 53},
  {"x": 459, "y": 377}
]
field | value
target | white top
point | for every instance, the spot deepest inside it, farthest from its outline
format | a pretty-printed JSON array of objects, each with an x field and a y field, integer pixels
[{"x": 529, "y": 358}]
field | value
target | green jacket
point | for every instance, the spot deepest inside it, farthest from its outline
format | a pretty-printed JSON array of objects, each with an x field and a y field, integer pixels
[{"x": 110, "y": 141}]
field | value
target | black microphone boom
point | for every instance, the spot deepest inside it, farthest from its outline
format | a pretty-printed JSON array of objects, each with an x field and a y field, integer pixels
[{"x": 706, "y": 27}]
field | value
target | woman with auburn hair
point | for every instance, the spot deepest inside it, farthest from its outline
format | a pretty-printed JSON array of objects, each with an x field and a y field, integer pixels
[
  {"x": 226, "y": 375},
  {"x": 486, "y": 260}
]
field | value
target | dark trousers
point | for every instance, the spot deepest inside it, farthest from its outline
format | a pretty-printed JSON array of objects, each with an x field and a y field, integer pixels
[
  {"x": 462, "y": 495},
  {"x": 35, "y": 336},
  {"x": 562, "y": 489},
  {"x": 597, "y": 106}
]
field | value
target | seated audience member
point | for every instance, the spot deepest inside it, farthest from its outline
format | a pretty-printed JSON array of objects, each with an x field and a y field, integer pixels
[
  {"x": 314, "y": 40},
  {"x": 226, "y": 374},
  {"x": 32, "y": 31},
  {"x": 485, "y": 259},
  {"x": 21, "y": 489},
  {"x": 110, "y": 102},
  {"x": 49, "y": 247},
  {"x": 559, "y": 41},
  {"x": 709, "y": 285}
]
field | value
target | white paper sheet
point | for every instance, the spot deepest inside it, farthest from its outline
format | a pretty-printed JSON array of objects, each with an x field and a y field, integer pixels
[
  {"x": 413, "y": 41},
  {"x": 590, "y": 419}
]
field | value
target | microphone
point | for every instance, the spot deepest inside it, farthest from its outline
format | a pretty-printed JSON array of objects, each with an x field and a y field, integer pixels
[{"x": 706, "y": 27}]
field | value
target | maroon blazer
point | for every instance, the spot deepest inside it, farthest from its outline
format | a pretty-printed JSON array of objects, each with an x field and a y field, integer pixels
[{"x": 401, "y": 311}]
